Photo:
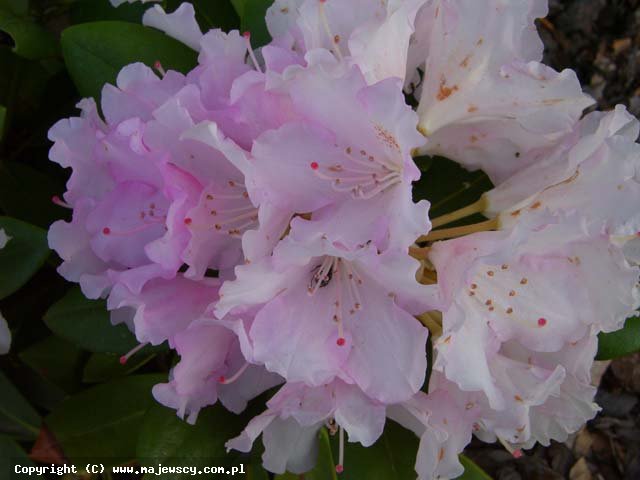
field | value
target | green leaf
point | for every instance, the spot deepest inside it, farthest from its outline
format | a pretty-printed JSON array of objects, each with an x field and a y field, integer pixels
[
  {"x": 448, "y": 187},
  {"x": 620, "y": 343},
  {"x": 17, "y": 7},
  {"x": 86, "y": 323},
  {"x": 325, "y": 468},
  {"x": 101, "y": 424},
  {"x": 256, "y": 472},
  {"x": 11, "y": 454},
  {"x": 471, "y": 470},
  {"x": 252, "y": 13},
  {"x": 3, "y": 116},
  {"x": 25, "y": 193},
  {"x": 83, "y": 11},
  {"x": 55, "y": 360},
  {"x": 17, "y": 416},
  {"x": 166, "y": 439},
  {"x": 22, "y": 256},
  {"x": 95, "y": 52},
  {"x": 103, "y": 367},
  {"x": 392, "y": 457},
  {"x": 31, "y": 40}
]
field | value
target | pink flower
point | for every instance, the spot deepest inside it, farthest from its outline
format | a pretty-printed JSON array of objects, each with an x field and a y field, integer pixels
[
  {"x": 444, "y": 420},
  {"x": 324, "y": 312},
  {"x": 370, "y": 34},
  {"x": 544, "y": 283},
  {"x": 486, "y": 100},
  {"x": 164, "y": 308},
  {"x": 180, "y": 24},
  {"x": 211, "y": 367},
  {"x": 594, "y": 171},
  {"x": 296, "y": 412},
  {"x": 347, "y": 158}
]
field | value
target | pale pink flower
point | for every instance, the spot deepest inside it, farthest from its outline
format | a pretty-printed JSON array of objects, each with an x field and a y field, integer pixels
[
  {"x": 444, "y": 420},
  {"x": 544, "y": 283},
  {"x": 164, "y": 308},
  {"x": 594, "y": 171},
  {"x": 324, "y": 312},
  {"x": 485, "y": 100},
  {"x": 211, "y": 367},
  {"x": 289, "y": 427},
  {"x": 371, "y": 34},
  {"x": 347, "y": 158},
  {"x": 180, "y": 24}
]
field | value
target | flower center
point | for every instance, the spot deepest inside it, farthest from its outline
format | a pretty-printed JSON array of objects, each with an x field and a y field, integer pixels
[
  {"x": 360, "y": 173},
  {"x": 345, "y": 282},
  {"x": 230, "y": 212},
  {"x": 497, "y": 290}
]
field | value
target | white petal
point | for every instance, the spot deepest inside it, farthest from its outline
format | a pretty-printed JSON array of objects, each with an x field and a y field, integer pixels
[{"x": 181, "y": 24}]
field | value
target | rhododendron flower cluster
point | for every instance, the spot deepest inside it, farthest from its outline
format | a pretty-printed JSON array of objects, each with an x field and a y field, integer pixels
[{"x": 257, "y": 215}]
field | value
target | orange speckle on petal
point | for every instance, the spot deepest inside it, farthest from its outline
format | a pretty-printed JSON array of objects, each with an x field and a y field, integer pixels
[{"x": 445, "y": 92}]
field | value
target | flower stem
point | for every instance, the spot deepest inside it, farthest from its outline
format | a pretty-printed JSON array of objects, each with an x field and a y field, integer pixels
[
  {"x": 476, "y": 207},
  {"x": 492, "y": 224},
  {"x": 419, "y": 253},
  {"x": 431, "y": 322}
]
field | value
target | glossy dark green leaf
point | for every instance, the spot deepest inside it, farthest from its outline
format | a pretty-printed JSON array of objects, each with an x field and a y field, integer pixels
[
  {"x": 83, "y": 11},
  {"x": 252, "y": 13},
  {"x": 86, "y": 323},
  {"x": 25, "y": 193},
  {"x": 103, "y": 367},
  {"x": 166, "y": 439},
  {"x": 17, "y": 416},
  {"x": 55, "y": 360},
  {"x": 3, "y": 116},
  {"x": 31, "y": 40},
  {"x": 22, "y": 256},
  {"x": 17, "y": 7},
  {"x": 325, "y": 468},
  {"x": 256, "y": 472},
  {"x": 95, "y": 52},
  {"x": 101, "y": 424},
  {"x": 471, "y": 470},
  {"x": 11, "y": 454},
  {"x": 449, "y": 187},
  {"x": 620, "y": 343},
  {"x": 392, "y": 457}
]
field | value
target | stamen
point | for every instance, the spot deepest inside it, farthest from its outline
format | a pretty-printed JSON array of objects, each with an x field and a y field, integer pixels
[
  {"x": 125, "y": 233},
  {"x": 61, "y": 203},
  {"x": 516, "y": 452},
  {"x": 340, "y": 465},
  {"x": 158, "y": 66},
  {"x": 327, "y": 28},
  {"x": 125, "y": 358},
  {"x": 236, "y": 376},
  {"x": 338, "y": 314},
  {"x": 254, "y": 60},
  {"x": 322, "y": 276}
]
